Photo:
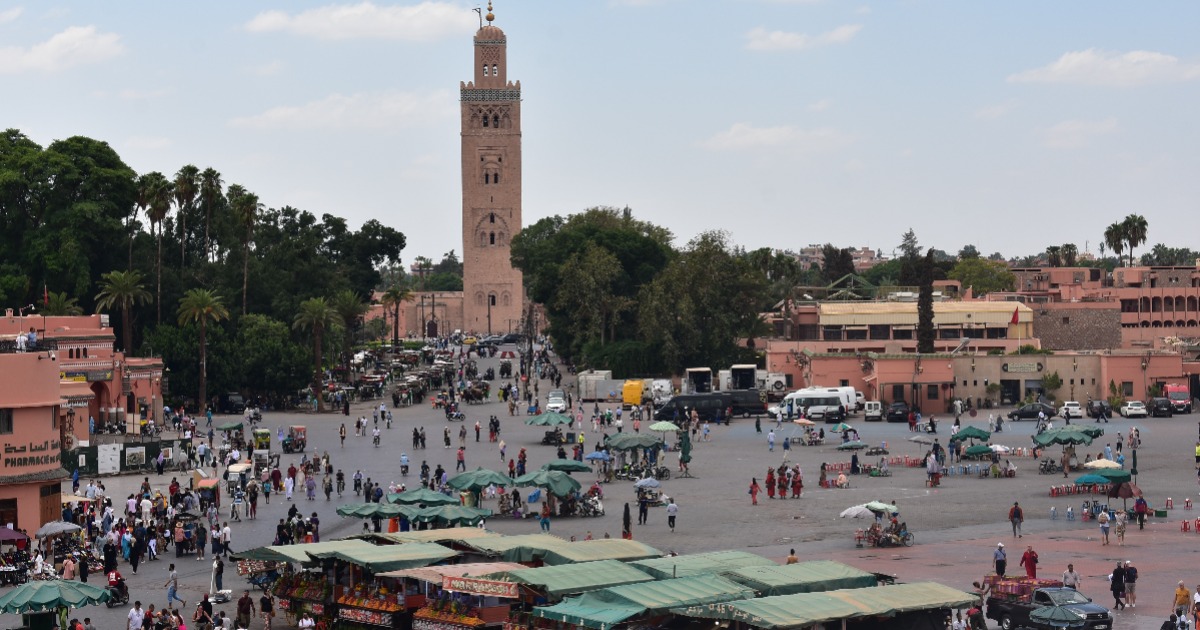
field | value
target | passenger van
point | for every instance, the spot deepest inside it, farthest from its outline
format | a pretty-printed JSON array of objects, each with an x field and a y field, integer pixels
[
  {"x": 707, "y": 406},
  {"x": 817, "y": 404},
  {"x": 873, "y": 411}
]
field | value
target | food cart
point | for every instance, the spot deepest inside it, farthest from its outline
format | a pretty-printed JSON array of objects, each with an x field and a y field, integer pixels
[
  {"x": 237, "y": 476},
  {"x": 208, "y": 491},
  {"x": 262, "y": 440},
  {"x": 296, "y": 440}
]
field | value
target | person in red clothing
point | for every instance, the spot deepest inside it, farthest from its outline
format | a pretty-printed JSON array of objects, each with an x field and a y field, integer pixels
[
  {"x": 754, "y": 491},
  {"x": 770, "y": 483},
  {"x": 116, "y": 581},
  {"x": 1029, "y": 560}
]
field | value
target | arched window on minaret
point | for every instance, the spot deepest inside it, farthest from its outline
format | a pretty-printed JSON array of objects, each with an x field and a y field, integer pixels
[
  {"x": 492, "y": 238},
  {"x": 485, "y": 69},
  {"x": 496, "y": 121},
  {"x": 487, "y": 178},
  {"x": 495, "y": 70},
  {"x": 491, "y": 217},
  {"x": 496, "y": 178},
  {"x": 482, "y": 239},
  {"x": 485, "y": 120}
]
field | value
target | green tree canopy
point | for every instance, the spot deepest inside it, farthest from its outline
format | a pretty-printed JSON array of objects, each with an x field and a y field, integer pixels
[{"x": 983, "y": 276}]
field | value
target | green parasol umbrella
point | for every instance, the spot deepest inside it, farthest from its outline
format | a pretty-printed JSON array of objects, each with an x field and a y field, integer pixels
[
  {"x": 559, "y": 483},
  {"x": 1092, "y": 432},
  {"x": 1091, "y": 479},
  {"x": 567, "y": 465},
  {"x": 973, "y": 433},
  {"x": 548, "y": 419},
  {"x": 478, "y": 479},
  {"x": 977, "y": 450},
  {"x": 452, "y": 515},
  {"x": 1056, "y": 616},
  {"x": 628, "y": 441},
  {"x": 1062, "y": 436},
  {"x": 1114, "y": 475},
  {"x": 663, "y": 425},
  {"x": 880, "y": 506},
  {"x": 372, "y": 510},
  {"x": 422, "y": 496},
  {"x": 685, "y": 449},
  {"x": 852, "y": 446},
  {"x": 230, "y": 426},
  {"x": 841, "y": 426},
  {"x": 48, "y": 595}
]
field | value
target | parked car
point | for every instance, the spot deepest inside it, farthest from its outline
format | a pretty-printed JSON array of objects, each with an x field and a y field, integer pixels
[
  {"x": 1096, "y": 407},
  {"x": 556, "y": 404},
  {"x": 231, "y": 403},
  {"x": 898, "y": 412},
  {"x": 872, "y": 411},
  {"x": 1031, "y": 411},
  {"x": 1161, "y": 408},
  {"x": 511, "y": 338},
  {"x": 1072, "y": 409},
  {"x": 1134, "y": 409},
  {"x": 1014, "y": 612}
]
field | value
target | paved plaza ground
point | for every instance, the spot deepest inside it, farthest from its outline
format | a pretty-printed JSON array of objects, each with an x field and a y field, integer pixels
[{"x": 957, "y": 525}]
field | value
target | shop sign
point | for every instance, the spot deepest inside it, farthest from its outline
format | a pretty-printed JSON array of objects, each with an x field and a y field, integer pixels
[
  {"x": 21, "y": 455},
  {"x": 1024, "y": 367},
  {"x": 85, "y": 376},
  {"x": 491, "y": 588}
]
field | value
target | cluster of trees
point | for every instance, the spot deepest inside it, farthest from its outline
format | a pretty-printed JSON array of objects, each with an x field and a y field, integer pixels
[
  {"x": 619, "y": 296},
  {"x": 184, "y": 263},
  {"x": 1124, "y": 235}
]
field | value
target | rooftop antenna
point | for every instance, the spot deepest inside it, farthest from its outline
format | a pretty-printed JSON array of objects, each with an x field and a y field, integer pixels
[{"x": 480, "y": 12}]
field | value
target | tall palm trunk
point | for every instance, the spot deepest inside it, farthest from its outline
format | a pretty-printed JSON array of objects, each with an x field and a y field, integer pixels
[
  {"x": 207, "y": 250},
  {"x": 182, "y": 236},
  {"x": 203, "y": 403},
  {"x": 317, "y": 372},
  {"x": 158, "y": 268},
  {"x": 245, "y": 274},
  {"x": 127, "y": 329},
  {"x": 396, "y": 328}
]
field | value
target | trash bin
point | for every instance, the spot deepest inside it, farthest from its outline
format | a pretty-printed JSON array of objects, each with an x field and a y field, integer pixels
[{"x": 570, "y": 437}]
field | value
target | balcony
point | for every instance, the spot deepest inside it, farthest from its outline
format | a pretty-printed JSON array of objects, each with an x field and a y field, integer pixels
[{"x": 9, "y": 346}]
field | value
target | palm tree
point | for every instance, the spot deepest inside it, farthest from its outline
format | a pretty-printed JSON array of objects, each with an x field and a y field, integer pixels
[
  {"x": 1135, "y": 228},
  {"x": 186, "y": 186},
  {"x": 123, "y": 290},
  {"x": 245, "y": 207},
  {"x": 141, "y": 201},
  {"x": 349, "y": 308},
  {"x": 1070, "y": 254},
  {"x": 316, "y": 316},
  {"x": 210, "y": 192},
  {"x": 202, "y": 306},
  {"x": 158, "y": 191},
  {"x": 1114, "y": 237},
  {"x": 58, "y": 304},
  {"x": 1054, "y": 256},
  {"x": 393, "y": 298}
]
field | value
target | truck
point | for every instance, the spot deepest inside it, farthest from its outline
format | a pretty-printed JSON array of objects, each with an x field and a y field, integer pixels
[
  {"x": 1180, "y": 397},
  {"x": 1013, "y": 599},
  {"x": 697, "y": 381},
  {"x": 661, "y": 390},
  {"x": 600, "y": 386},
  {"x": 634, "y": 392},
  {"x": 774, "y": 383}
]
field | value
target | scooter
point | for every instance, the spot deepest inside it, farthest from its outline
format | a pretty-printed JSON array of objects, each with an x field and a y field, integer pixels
[
  {"x": 403, "y": 465},
  {"x": 376, "y": 441},
  {"x": 119, "y": 594}
]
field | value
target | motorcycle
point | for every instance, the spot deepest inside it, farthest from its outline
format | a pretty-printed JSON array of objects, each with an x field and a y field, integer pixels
[
  {"x": 403, "y": 465},
  {"x": 591, "y": 506},
  {"x": 376, "y": 441},
  {"x": 455, "y": 415},
  {"x": 119, "y": 594},
  {"x": 931, "y": 426}
]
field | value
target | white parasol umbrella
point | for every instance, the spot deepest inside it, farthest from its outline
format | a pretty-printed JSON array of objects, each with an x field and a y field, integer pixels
[
  {"x": 805, "y": 422},
  {"x": 56, "y": 527},
  {"x": 921, "y": 439},
  {"x": 1097, "y": 464},
  {"x": 858, "y": 511},
  {"x": 1000, "y": 448}
]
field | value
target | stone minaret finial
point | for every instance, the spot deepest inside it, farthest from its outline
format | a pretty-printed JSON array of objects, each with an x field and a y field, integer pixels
[{"x": 490, "y": 16}]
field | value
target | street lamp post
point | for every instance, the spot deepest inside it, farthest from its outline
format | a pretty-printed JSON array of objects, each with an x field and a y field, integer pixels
[{"x": 490, "y": 300}]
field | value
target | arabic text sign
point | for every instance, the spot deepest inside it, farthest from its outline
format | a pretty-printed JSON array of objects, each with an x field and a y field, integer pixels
[
  {"x": 19, "y": 456},
  {"x": 480, "y": 587}
]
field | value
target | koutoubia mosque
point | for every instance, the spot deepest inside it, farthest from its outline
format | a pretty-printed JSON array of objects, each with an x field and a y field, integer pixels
[{"x": 493, "y": 296}]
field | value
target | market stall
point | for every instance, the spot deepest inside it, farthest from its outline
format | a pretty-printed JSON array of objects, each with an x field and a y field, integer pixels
[
  {"x": 551, "y": 583},
  {"x": 421, "y": 598},
  {"x": 538, "y": 549},
  {"x": 716, "y": 562},
  {"x": 14, "y": 556},
  {"x": 803, "y": 577},
  {"x": 638, "y": 603}
]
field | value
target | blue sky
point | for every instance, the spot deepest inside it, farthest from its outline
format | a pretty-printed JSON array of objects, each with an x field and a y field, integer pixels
[{"x": 1009, "y": 125}]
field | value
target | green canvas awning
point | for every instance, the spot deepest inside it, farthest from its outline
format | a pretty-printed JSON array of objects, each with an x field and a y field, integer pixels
[
  {"x": 699, "y": 563},
  {"x": 381, "y": 558},
  {"x": 230, "y": 426},
  {"x": 803, "y": 577},
  {"x": 570, "y": 579},
  {"x": 608, "y": 607},
  {"x": 602, "y": 549},
  {"x": 443, "y": 535},
  {"x": 524, "y": 548},
  {"x": 299, "y": 553},
  {"x": 806, "y": 609}
]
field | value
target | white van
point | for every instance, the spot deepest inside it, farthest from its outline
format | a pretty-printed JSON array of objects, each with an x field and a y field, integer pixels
[
  {"x": 847, "y": 395},
  {"x": 873, "y": 411},
  {"x": 820, "y": 404}
]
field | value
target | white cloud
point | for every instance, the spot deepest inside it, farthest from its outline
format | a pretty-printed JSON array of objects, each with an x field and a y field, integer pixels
[
  {"x": 379, "y": 112},
  {"x": 426, "y": 21},
  {"x": 820, "y": 105},
  {"x": 10, "y": 15},
  {"x": 75, "y": 46},
  {"x": 1111, "y": 69},
  {"x": 270, "y": 68},
  {"x": 761, "y": 39},
  {"x": 992, "y": 112},
  {"x": 746, "y": 136},
  {"x": 151, "y": 143},
  {"x": 1071, "y": 134}
]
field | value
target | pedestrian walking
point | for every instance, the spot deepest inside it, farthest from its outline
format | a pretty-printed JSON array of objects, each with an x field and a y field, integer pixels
[
  {"x": 1131, "y": 576},
  {"x": 754, "y": 490},
  {"x": 266, "y": 606},
  {"x": 172, "y": 585},
  {"x": 771, "y": 440},
  {"x": 1118, "y": 586},
  {"x": 137, "y": 616},
  {"x": 999, "y": 559},
  {"x": 1029, "y": 560},
  {"x": 1183, "y": 599},
  {"x": 1016, "y": 516},
  {"x": 1103, "y": 520},
  {"x": 672, "y": 512},
  {"x": 245, "y": 610},
  {"x": 1072, "y": 579}
]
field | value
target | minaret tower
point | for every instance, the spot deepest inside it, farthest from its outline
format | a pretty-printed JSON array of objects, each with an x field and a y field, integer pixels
[{"x": 491, "y": 183}]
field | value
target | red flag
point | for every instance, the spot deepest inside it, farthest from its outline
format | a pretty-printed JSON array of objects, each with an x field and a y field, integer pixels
[
  {"x": 45, "y": 294},
  {"x": 1016, "y": 312}
]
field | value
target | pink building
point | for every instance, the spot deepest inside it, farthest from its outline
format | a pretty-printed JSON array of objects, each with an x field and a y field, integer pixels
[{"x": 31, "y": 437}]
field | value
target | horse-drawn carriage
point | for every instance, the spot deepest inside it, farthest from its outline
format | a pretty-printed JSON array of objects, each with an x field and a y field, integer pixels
[
  {"x": 476, "y": 393},
  {"x": 506, "y": 368},
  {"x": 296, "y": 439}
]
